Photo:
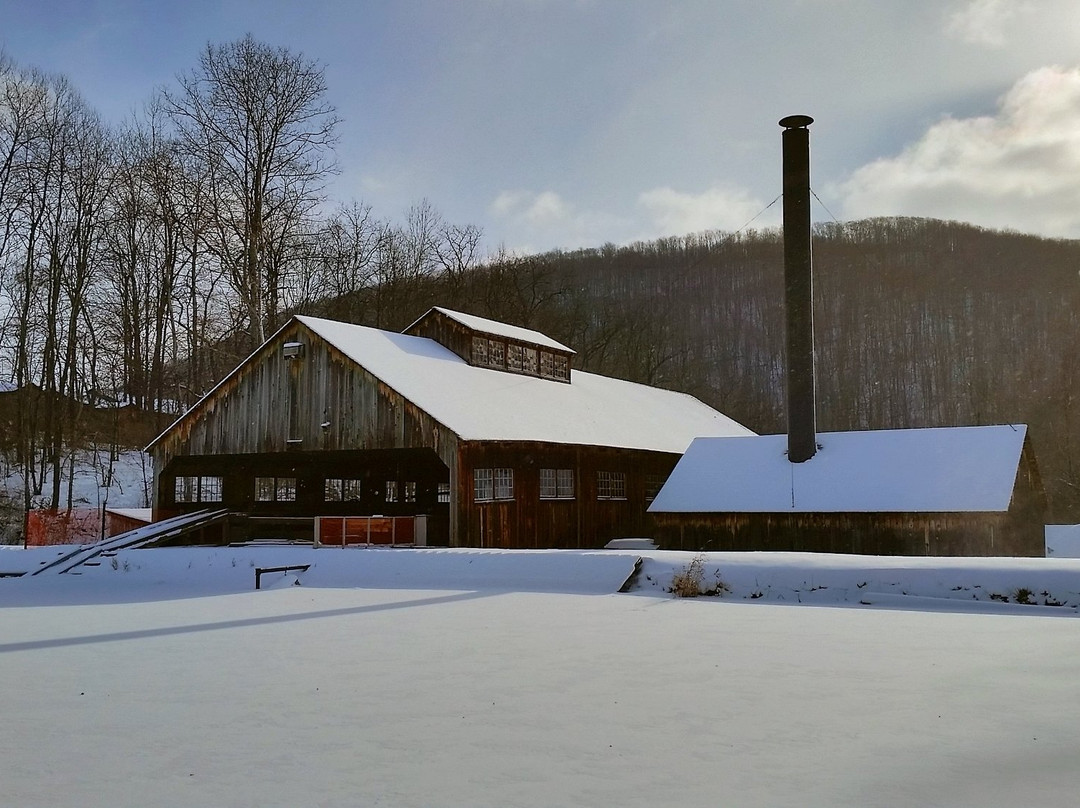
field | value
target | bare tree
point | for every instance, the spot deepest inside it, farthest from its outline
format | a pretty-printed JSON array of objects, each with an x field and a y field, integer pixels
[{"x": 257, "y": 117}]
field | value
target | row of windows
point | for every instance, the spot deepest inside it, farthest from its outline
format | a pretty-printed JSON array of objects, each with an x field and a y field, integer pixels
[
  {"x": 488, "y": 485},
  {"x": 197, "y": 489},
  {"x": 498, "y": 484},
  {"x": 494, "y": 353},
  {"x": 283, "y": 489}
]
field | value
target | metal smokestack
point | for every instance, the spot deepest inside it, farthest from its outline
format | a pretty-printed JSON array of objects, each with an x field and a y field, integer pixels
[{"x": 799, "y": 290}]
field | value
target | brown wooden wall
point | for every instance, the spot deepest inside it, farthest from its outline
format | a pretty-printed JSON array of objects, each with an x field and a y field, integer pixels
[
  {"x": 373, "y": 468},
  {"x": 937, "y": 534},
  {"x": 273, "y": 404},
  {"x": 530, "y": 522}
]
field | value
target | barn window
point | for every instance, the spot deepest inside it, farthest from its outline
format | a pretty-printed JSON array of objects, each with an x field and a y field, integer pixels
[
  {"x": 530, "y": 365},
  {"x": 275, "y": 489},
  {"x": 264, "y": 489},
  {"x": 197, "y": 489},
  {"x": 504, "y": 483},
  {"x": 610, "y": 485},
  {"x": 391, "y": 491},
  {"x": 286, "y": 489},
  {"x": 547, "y": 364},
  {"x": 515, "y": 357},
  {"x": 209, "y": 489},
  {"x": 479, "y": 351},
  {"x": 496, "y": 354},
  {"x": 482, "y": 485},
  {"x": 653, "y": 484},
  {"x": 186, "y": 490},
  {"x": 409, "y": 492},
  {"x": 562, "y": 367},
  {"x": 556, "y": 483},
  {"x": 443, "y": 494},
  {"x": 341, "y": 490}
]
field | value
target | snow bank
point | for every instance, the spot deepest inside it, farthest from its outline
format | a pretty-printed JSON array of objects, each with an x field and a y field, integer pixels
[
  {"x": 1028, "y": 585},
  {"x": 172, "y": 572},
  {"x": 1009, "y": 585}
]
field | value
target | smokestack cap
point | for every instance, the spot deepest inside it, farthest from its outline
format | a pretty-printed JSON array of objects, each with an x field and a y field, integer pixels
[{"x": 796, "y": 121}]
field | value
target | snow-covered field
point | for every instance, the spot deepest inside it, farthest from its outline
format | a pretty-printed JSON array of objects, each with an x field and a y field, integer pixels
[{"x": 484, "y": 678}]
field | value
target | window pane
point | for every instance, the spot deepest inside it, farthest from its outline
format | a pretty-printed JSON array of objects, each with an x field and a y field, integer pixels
[
  {"x": 391, "y": 490},
  {"x": 547, "y": 364},
  {"x": 264, "y": 489},
  {"x": 548, "y": 487},
  {"x": 496, "y": 354},
  {"x": 565, "y": 484},
  {"x": 286, "y": 489},
  {"x": 444, "y": 492},
  {"x": 562, "y": 367},
  {"x": 610, "y": 485},
  {"x": 515, "y": 357},
  {"x": 482, "y": 488},
  {"x": 530, "y": 361},
  {"x": 618, "y": 485},
  {"x": 332, "y": 491},
  {"x": 209, "y": 489},
  {"x": 350, "y": 490},
  {"x": 653, "y": 484},
  {"x": 504, "y": 483},
  {"x": 479, "y": 351},
  {"x": 410, "y": 492},
  {"x": 185, "y": 489}
]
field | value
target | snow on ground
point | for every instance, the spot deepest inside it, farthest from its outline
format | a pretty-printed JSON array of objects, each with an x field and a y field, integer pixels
[
  {"x": 485, "y": 678},
  {"x": 129, "y": 486}
]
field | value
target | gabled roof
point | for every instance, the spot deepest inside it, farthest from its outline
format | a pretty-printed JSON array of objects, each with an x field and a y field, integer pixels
[
  {"x": 888, "y": 471},
  {"x": 482, "y": 404},
  {"x": 495, "y": 328}
]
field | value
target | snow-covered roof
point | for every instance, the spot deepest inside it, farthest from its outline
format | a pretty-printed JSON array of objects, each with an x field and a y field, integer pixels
[
  {"x": 901, "y": 470},
  {"x": 482, "y": 404},
  {"x": 486, "y": 326}
]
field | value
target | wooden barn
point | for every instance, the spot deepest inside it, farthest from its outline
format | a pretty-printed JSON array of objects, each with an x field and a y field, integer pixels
[
  {"x": 961, "y": 491},
  {"x": 459, "y": 431}
]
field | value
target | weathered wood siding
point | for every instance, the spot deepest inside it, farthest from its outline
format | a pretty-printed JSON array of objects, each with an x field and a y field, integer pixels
[
  {"x": 314, "y": 417},
  {"x": 274, "y": 404},
  {"x": 447, "y": 332},
  {"x": 527, "y": 521}
]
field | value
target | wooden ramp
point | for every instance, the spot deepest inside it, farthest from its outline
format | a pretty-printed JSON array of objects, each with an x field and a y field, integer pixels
[{"x": 144, "y": 536}]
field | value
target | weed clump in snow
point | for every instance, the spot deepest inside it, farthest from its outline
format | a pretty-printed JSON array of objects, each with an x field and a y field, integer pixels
[{"x": 689, "y": 582}]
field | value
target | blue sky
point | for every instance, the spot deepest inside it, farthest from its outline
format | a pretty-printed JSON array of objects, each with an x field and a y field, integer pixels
[{"x": 571, "y": 123}]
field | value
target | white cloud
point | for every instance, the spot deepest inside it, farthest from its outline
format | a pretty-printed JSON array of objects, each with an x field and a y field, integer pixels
[
  {"x": 984, "y": 22},
  {"x": 536, "y": 221},
  {"x": 674, "y": 212},
  {"x": 1017, "y": 169}
]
